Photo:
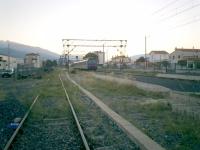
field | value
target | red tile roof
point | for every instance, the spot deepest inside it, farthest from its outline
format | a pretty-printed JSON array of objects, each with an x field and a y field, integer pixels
[{"x": 187, "y": 49}]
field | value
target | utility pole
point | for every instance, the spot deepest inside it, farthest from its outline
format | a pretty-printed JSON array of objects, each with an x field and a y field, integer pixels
[
  {"x": 68, "y": 59},
  {"x": 103, "y": 55},
  {"x": 8, "y": 55},
  {"x": 145, "y": 40}
]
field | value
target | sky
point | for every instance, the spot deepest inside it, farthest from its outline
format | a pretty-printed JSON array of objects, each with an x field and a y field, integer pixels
[{"x": 44, "y": 23}]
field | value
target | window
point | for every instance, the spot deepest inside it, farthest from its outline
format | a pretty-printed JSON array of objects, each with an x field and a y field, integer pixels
[
  {"x": 179, "y": 56},
  {"x": 173, "y": 57}
]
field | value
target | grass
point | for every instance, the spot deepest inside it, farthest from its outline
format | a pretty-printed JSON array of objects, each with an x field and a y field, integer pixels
[
  {"x": 148, "y": 111},
  {"x": 2, "y": 94},
  {"x": 143, "y": 73},
  {"x": 129, "y": 72},
  {"x": 197, "y": 95},
  {"x": 117, "y": 89},
  {"x": 52, "y": 102}
]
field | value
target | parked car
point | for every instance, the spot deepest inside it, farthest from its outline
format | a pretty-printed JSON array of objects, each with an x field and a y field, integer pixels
[{"x": 7, "y": 73}]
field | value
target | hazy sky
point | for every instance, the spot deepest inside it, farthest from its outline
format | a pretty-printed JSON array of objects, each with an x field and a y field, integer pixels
[{"x": 44, "y": 23}]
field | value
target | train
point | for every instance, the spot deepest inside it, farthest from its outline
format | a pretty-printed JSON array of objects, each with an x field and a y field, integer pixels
[{"x": 86, "y": 64}]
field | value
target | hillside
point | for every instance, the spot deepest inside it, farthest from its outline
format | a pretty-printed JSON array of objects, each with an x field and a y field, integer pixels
[{"x": 20, "y": 50}]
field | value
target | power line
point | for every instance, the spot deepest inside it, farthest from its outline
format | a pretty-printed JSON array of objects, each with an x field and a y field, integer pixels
[
  {"x": 178, "y": 8},
  {"x": 164, "y": 7},
  {"x": 187, "y": 23},
  {"x": 180, "y": 12}
]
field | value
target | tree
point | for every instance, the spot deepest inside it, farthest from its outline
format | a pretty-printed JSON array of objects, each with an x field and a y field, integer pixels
[
  {"x": 197, "y": 63},
  {"x": 165, "y": 63},
  {"x": 182, "y": 63},
  {"x": 49, "y": 64},
  {"x": 90, "y": 55},
  {"x": 141, "y": 59}
]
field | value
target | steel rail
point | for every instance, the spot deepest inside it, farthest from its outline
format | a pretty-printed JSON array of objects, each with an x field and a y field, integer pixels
[
  {"x": 75, "y": 117},
  {"x": 20, "y": 125},
  {"x": 135, "y": 134}
]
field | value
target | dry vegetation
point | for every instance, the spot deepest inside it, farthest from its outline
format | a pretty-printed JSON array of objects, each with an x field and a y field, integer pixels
[{"x": 149, "y": 111}]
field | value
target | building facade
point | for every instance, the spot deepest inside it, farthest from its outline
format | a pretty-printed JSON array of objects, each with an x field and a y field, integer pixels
[
  {"x": 190, "y": 56},
  {"x": 101, "y": 57},
  {"x": 8, "y": 62},
  {"x": 184, "y": 54},
  {"x": 33, "y": 60},
  {"x": 158, "y": 56},
  {"x": 121, "y": 60}
]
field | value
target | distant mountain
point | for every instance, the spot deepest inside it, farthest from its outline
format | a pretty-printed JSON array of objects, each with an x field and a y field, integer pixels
[{"x": 20, "y": 50}]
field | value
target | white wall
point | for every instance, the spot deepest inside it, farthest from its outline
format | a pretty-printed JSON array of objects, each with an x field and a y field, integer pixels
[
  {"x": 13, "y": 62},
  {"x": 178, "y": 55},
  {"x": 158, "y": 57}
]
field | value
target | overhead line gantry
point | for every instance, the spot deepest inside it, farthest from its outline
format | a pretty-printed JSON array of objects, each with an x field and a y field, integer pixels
[{"x": 70, "y": 44}]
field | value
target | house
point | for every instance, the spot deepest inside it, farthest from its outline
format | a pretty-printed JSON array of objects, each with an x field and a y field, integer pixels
[
  {"x": 101, "y": 57},
  {"x": 8, "y": 62},
  {"x": 33, "y": 60},
  {"x": 158, "y": 56},
  {"x": 121, "y": 60},
  {"x": 191, "y": 56}
]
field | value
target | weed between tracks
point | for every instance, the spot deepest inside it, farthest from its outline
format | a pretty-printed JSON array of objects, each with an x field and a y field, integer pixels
[
  {"x": 149, "y": 111},
  {"x": 51, "y": 103}
]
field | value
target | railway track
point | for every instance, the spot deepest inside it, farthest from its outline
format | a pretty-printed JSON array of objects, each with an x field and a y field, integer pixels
[
  {"x": 75, "y": 117},
  {"x": 48, "y": 132},
  {"x": 100, "y": 131},
  {"x": 89, "y": 128},
  {"x": 9, "y": 143},
  {"x": 136, "y": 136}
]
